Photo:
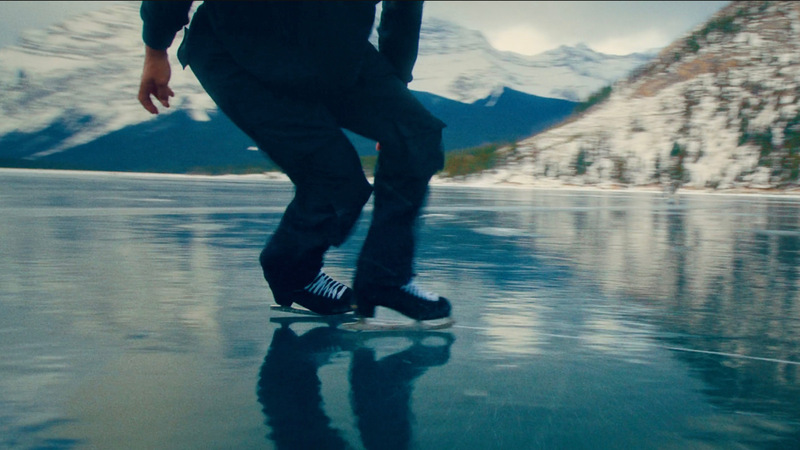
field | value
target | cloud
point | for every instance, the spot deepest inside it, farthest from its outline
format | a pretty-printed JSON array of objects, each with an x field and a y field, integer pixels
[
  {"x": 520, "y": 39},
  {"x": 616, "y": 27},
  {"x": 528, "y": 40}
]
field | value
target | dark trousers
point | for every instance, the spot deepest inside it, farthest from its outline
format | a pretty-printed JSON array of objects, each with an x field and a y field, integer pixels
[{"x": 300, "y": 130}]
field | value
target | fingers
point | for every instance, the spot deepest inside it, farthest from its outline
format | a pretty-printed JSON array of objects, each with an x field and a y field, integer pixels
[
  {"x": 145, "y": 90},
  {"x": 161, "y": 93},
  {"x": 164, "y": 93}
]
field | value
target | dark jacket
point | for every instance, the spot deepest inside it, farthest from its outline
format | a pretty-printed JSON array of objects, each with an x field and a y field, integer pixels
[{"x": 296, "y": 43}]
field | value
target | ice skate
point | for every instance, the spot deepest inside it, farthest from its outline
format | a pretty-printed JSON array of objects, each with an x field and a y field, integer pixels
[
  {"x": 324, "y": 296},
  {"x": 427, "y": 311}
]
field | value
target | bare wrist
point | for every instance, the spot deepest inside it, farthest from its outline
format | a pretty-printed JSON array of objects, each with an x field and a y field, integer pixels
[{"x": 151, "y": 52}]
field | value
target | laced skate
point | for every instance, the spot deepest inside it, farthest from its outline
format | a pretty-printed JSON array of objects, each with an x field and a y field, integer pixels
[
  {"x": 412, "y": 289},
  {"x": 323, "y": 296},
  {"x": 429, "y": 311}
]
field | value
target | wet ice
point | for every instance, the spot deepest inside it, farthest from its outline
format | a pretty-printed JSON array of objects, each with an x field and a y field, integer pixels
[{"x": 133, "y": 310}]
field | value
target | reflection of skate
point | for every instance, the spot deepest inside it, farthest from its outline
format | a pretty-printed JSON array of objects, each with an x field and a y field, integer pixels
[
  {"x": 381, "y": 389},
  {"x": 372, "y": 324},
  {"x": 289, "y": 387}
]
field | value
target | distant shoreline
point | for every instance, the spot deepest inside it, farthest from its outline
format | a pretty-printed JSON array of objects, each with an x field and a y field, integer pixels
[{"x": 437, "y": 181}]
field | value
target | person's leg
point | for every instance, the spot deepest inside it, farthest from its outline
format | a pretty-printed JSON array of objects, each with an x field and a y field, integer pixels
[
  {"x": 303, "y": 138},
  {"x": 382, "y": 108}
]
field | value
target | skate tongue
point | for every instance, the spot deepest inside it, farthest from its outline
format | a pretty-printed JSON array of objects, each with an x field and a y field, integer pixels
[{"x": 416, "y": 291}]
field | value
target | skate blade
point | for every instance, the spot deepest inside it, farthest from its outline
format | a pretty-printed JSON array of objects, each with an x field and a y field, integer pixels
[
  {"x": 370, "y": 324},
  {"x": 292, "y": 310},
  {"x": 303, "y": 311}
]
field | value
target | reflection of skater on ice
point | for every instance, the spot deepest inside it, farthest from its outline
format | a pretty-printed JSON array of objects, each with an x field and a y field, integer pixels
[
  {"x": 290, "y": 390},
  {"x": 381, "y": 390},
  {"x": 289, "y": 387},
  {"x": 670, "y": 191}
]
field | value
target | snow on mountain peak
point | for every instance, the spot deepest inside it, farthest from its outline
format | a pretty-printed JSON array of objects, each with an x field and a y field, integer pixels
[
  {"x": 440, "y": 37},
  {"x": 460, "y": 64}
]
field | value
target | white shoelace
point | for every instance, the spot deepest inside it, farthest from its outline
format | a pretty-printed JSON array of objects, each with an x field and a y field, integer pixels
[
  {"x": 416, "y": 291},
  {"x": 327, "y": 287}
]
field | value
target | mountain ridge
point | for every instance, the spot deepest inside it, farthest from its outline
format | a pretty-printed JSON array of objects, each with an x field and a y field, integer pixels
[
  {"x": 178, "y": 143},
  {"x": 481, "y": 68}
]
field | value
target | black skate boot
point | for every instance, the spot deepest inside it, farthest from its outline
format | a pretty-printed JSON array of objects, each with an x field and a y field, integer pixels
[
  {"x": 324, "y": 296},
  {"x": 408, "y": 300}
]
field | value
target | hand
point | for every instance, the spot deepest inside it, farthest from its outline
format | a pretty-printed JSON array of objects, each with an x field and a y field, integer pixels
[
  {"x": 377, "y": 146},
  {"x": 155, "y": 79}
]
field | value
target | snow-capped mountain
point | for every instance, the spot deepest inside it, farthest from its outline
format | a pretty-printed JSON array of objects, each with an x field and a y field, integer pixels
[
  {"x": 460, "y": 64},
  {"x": 72, "y": 83},
  {"x": 719, "y": 108}
]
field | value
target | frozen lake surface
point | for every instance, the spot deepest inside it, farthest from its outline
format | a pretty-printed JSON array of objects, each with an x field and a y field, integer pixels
[{"x": 133, "y": 314}]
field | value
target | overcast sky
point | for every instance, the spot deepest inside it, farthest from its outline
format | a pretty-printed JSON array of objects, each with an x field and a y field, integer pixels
[{"x": 525, "y": 27}]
